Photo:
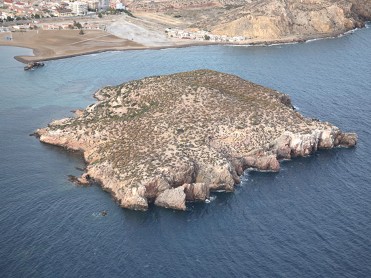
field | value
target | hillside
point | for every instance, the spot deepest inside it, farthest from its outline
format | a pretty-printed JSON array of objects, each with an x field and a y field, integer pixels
[{"x": 265, "y": 19}]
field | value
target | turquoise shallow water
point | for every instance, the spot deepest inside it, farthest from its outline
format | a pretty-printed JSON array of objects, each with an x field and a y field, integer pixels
[{"x": 310, "y": 220}]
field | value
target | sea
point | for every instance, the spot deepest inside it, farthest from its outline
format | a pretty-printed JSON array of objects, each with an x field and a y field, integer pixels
[{"x": 312, "y": 219}]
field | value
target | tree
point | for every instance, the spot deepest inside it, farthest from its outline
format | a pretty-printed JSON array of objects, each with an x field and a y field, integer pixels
[
  {"x": 81, "y": 32},
  {"x": 128, "y": 13},
  {"x": 207, "y": 37},
  {"x": 100, "y": 15},
  {"x": 77, "y": 25},
  {"x": 37, "y": 16}
]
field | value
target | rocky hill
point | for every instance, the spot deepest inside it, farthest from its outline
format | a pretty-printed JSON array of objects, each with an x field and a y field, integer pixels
[
  {"x": 265, "y": 20},
  {"x": 171, "y": 139},
  {"x": 269, "y": 19}
]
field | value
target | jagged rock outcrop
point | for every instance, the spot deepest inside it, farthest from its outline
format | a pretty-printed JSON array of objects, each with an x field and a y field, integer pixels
[
  {"x": 196, "y": 191},
  {"x": 290, "y": 145},
  {"x": 171, "y": 139},
  {"x": 262, "y": 162},
  {"x": 174, "y": 198}
]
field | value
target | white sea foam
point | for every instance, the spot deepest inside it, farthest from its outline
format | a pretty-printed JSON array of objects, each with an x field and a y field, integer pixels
[
  {"x": 211, "y": 199},
  {"x": 282, "y": 43},
  {"x": 313, "y": 40}
]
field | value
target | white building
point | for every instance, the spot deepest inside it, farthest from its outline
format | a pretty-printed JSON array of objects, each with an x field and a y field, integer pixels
[
  {"x": 4, "y": 16},
  {"x": 1, "y": 3},
  {"x": 120, "y": 6},
  {"x": 93, "y": 5},
  {"x": 79, "y": 8},
  {"x": 104, "y": 4}
]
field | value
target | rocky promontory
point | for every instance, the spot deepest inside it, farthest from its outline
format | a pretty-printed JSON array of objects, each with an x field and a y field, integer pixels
[{"x": 171, "y": 139}]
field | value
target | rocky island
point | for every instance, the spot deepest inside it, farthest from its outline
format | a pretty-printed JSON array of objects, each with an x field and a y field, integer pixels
[{"x": 171, "y": 139}]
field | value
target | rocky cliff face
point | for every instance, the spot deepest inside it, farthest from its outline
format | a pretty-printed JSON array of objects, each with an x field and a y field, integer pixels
[
  {"x": 267, "y": 20},
  {"x": 171, "y": 139},
  {"x": 276, "y": 19}
]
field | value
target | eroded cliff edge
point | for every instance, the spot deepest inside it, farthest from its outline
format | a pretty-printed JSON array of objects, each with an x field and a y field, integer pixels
[
  {"x": 172, "y": 139},
  {"x": 269, "y": 21}
]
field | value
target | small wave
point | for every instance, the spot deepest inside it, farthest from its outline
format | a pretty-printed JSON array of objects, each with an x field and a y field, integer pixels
[
  {"x": 238, "y": 45},
  {"x": 262, "y": 44},
  {"x": 211, "y": 199},
  {"x": 282, "y": 43},
  {"x": 313, "y": 40},
  {"x": 349, "y": 32},
  {"x": 252, "y": 169},
  {"x": 96, "y": 214},
  {"x": 99, "y": 214},
  {"x": 337, "y": 36}
]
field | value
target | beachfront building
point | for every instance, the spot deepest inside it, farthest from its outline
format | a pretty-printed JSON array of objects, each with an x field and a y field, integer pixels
[
  {"x": 201, "y": 35},
  {"x": 79, "y": 8},
  {"x": 4, "y": 16},
  {"x": 62, "y": 12},
  {"x": 120, "y": 6},
  {"x": 93, "y": 5},
  {"x": 117, "y": 5},
  {"x": 8, "y": 3},
  {"x": 104, "y": 4}
]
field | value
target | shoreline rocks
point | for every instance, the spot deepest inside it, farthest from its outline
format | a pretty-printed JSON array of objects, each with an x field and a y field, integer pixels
[{"x": 174, "y": 139}]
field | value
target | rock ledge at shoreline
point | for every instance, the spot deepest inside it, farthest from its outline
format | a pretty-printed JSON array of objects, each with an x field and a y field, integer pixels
[{"x": 171, "y": 139}]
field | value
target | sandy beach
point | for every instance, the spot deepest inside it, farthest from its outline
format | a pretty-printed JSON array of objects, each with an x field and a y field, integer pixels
[
  {"x": 59, "y": 44},
  {"x": 52, "y": 44},
  {"x": 122, "y": 33}
]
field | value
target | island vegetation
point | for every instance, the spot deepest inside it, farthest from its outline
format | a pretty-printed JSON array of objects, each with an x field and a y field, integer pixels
[{"x": 171, "y": 139}]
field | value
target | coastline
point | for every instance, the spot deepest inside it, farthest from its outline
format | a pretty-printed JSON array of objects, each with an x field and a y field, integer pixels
[
  {"x": 39, "y": 53},
  {"x": 186, "y": 161},
  {"x": 312, "y": 216}
]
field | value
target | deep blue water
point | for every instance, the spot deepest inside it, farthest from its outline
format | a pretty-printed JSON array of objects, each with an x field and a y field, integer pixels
[{"x": 310, "y": 220}]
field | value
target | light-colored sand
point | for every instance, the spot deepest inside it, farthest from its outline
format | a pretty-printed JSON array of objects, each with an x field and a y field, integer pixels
[
  {"x": 49, "y": 44},
  {"x": 130, "y": 31},
  {"x": 122, "y": 33}
]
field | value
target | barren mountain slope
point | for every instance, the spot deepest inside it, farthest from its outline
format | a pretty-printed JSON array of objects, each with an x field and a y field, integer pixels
[{"x": 266, "y": 19}]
